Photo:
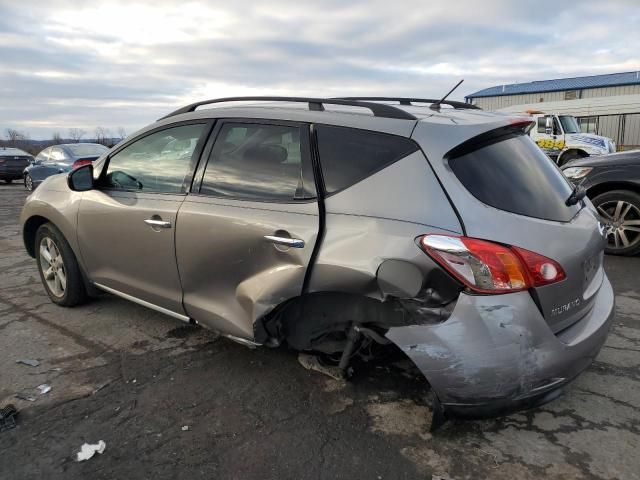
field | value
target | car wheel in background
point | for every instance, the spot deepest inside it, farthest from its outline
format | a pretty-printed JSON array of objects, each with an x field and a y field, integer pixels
[
  {"x": 58, "y": 267},
  {"x": 8, "y": 180},
  {"x": 620, "y": 211},
  {"x": 28, "y": 182}
]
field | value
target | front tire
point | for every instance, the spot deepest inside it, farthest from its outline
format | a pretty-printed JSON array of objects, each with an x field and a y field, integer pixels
[
  {"x": 58, "y": 267},
  {"x": 620, "y": 212},
  {"x": 8, "y": 180},
  {"x": 28, "y": 182}
]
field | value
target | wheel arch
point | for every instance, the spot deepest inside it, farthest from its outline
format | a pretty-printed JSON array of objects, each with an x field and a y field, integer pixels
[
  {"x": 594, "y": 191},
  {"x": 569, "y": 151},
  {"x": 29, "y": 230}
]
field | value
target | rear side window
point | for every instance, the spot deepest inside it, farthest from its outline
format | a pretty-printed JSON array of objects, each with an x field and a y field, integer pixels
[
  {"x": 261, "y": 162},
  {"x": 348, "y": 155},
  {"x": 516, "y": 176}
]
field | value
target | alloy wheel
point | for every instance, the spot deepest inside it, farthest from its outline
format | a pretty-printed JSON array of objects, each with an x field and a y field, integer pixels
[
  {"x": 28, "y": 182},
  {"x": 52, "y": 267},
  {"x": 623, "y": 223}
]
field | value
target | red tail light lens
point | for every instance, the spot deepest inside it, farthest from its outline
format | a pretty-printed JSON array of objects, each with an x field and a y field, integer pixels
[
  {"x": 79, "y": 163},
  {"x": 542, "y": 270},
  {"x": 488, "y": 267}
]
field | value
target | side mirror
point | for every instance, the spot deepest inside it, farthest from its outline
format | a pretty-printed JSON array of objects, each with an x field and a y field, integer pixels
[
  {"x": 81, "y": 179},
  {"x": 548, "y": 129}
]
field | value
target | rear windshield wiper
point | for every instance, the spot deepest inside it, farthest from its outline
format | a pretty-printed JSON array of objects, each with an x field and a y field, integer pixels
[{"x": 577, "y": 194}]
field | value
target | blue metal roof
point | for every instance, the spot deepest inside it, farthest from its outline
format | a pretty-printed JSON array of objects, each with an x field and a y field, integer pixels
[{"x": 576, "y": 83}]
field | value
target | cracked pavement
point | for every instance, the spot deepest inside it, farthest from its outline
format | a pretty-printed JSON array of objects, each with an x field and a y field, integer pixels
[{"x": 134, "y": 378}]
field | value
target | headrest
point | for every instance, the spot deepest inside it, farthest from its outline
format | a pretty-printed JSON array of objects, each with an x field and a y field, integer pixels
[{"x": 271, "y": 154}]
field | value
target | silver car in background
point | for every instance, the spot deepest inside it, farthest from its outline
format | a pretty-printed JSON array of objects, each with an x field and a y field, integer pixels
[{"x": 331, "y": 225}]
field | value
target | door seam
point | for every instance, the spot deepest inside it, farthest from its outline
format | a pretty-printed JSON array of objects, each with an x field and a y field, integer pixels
[{"x": 320, "y": 192}]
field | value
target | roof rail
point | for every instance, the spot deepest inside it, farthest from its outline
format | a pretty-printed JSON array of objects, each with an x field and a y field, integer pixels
[
  {"x": 411, "y": 101},
  {"x": 315, "y": 104}
]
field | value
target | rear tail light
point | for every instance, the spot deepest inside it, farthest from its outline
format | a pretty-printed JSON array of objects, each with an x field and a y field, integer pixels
[
  {"x": 487, "y": 267},
  {"x": 79, "y": 163}
]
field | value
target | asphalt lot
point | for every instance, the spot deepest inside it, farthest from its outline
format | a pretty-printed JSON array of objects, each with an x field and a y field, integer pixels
[{"x": 176, "y": 402}]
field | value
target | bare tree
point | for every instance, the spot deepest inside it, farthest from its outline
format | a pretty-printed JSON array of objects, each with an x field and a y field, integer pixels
[
  {"x": 15, "y": 137},
  {"x": 122, "y": 133},
  {"x": 76, "y": 134},
  {"x": 57, "y": 138},
  {"x": 100, "y": 134}
]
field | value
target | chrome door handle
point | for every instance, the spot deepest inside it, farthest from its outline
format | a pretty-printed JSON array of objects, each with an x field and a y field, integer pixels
[
  {"x": 157, "y": 223},
  {"x": 288, "y": 242}
]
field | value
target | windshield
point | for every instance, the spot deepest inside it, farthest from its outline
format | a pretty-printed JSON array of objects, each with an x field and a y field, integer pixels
[
  {"x": 87, "y": 149},
  {"x": 569, "y": 124}
]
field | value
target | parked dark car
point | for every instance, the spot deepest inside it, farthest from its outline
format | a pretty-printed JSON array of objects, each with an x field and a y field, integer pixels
[
  {"x": 60, "y": 159},
  {"x": 12, "y": 163},
  {"x": 612, "y": 183}
]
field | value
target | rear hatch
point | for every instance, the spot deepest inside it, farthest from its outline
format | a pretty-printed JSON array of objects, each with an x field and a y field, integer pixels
[
  {"x": 517, "y": 196},
  {"x": 14, "y": 163}
]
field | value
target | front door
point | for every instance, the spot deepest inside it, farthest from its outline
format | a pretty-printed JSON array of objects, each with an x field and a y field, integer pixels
[
  {"x": 246, "y": 235},
  {"x": 126, "y": 226}
]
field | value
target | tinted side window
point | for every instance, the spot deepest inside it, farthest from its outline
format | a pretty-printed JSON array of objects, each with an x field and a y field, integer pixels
[
  {"x": 259, "y": 162},
  {"x": 542, "y": 124},
  {"x": 160, "y": 162},
  {"x": 348, "y": 155},
  {"x": 514, "y": 175}
]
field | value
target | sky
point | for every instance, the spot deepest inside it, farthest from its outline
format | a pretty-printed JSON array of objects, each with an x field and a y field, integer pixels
[{"x": 80, "y": 64}]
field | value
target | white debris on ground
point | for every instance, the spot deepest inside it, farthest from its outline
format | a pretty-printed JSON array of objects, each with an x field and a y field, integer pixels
[
  {"x": 185, "y": 428},
  {"x": 28, "y": 361},
  {"x": 87, "y": 451},
  {"x": 44, "y": 388}
]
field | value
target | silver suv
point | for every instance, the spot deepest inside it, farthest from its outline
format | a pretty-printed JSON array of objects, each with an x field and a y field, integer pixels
[{"x": 331, "y": 225}]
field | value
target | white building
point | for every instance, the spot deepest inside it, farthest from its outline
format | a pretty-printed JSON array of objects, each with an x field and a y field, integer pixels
[{"x": 608, "y": 105}]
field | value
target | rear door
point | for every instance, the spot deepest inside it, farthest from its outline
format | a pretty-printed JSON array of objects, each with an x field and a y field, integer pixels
[
  {"x": 126, "y": 226},
  {"x": 510, "y": 192},
  {"x": 247, "y": 231}
]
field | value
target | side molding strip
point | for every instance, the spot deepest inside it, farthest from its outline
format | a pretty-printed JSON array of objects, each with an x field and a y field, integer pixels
[{"x": 144, "y": 303}]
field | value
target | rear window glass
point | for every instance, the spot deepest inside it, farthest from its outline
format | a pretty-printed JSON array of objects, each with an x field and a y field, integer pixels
[
  {"x": 516, "y": 176},
  {"x": 348, "y": 155},
  {"x": 82, "y": 150}
]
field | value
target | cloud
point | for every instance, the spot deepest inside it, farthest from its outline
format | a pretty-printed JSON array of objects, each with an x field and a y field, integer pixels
[{"x": 112, "y": 63}]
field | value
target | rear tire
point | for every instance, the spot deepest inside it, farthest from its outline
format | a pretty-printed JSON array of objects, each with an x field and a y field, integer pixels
[
  {"x": 58, "y": 267},
  {"x": 8, "y": 180},
  {"x": 620, "y": 211}
]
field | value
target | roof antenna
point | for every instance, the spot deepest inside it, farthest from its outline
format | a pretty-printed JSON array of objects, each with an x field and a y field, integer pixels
[{"x": 436, "y": 106}]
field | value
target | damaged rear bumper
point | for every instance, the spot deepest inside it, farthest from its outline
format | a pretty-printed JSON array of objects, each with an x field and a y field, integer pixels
[{"x": 497, "y": 354}]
